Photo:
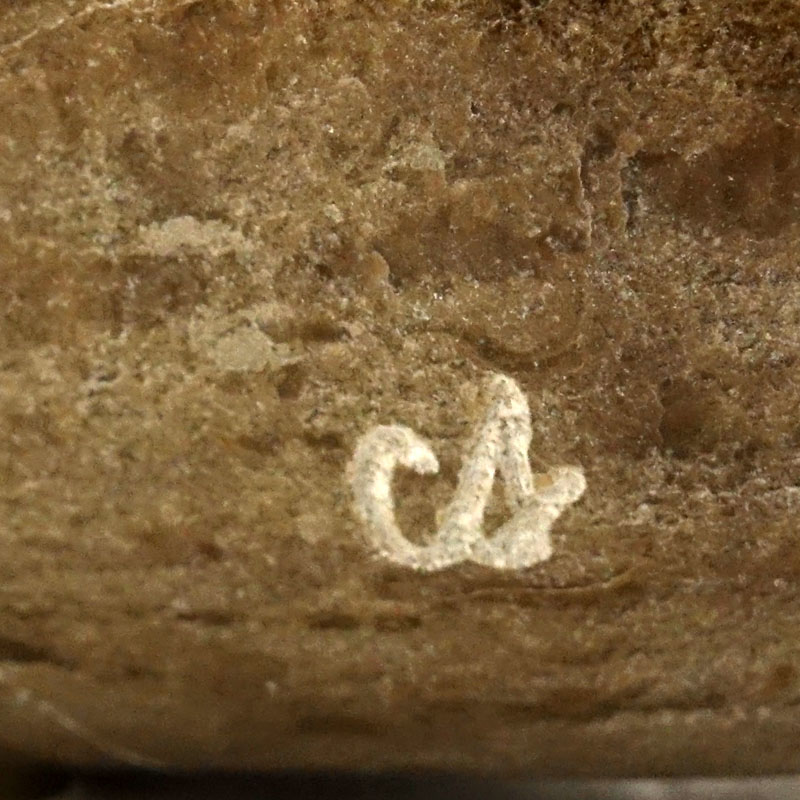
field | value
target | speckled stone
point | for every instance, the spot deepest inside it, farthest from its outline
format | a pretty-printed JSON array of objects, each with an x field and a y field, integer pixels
[{"x": 235, "y": 234}]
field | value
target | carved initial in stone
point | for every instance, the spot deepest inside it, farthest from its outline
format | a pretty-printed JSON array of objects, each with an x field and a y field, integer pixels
[{"x": 500, "y": 445}]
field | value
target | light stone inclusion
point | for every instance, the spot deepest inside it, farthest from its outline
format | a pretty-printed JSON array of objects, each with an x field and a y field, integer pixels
[{"x": 500, "y": 444}]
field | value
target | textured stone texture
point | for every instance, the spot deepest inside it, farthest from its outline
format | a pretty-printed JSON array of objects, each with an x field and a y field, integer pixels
[{"x": 234, "y": 234}]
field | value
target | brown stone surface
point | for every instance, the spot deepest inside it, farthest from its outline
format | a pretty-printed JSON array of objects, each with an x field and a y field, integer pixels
[{"x": 235, "y": 233}]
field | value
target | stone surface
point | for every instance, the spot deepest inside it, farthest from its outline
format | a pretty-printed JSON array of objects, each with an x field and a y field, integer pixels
[{"x": 234, "y": 234}]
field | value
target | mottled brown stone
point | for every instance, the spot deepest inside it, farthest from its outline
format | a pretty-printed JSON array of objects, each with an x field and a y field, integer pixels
[{"x": 234, "y": 234}]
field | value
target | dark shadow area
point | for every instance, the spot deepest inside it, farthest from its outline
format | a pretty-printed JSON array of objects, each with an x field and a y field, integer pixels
[
  {"x": 138, "y": 785},
  {"x": 278, "y": 786},
  {"x": 32, "y": 782}
]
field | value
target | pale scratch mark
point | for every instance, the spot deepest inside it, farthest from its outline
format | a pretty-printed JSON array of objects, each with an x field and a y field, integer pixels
[
  {"x": 92, "y": 8},
  {"x": 79, "y": 16},
  {"x": 22, "y": 696},
  {"x": 500, "y": 445}
]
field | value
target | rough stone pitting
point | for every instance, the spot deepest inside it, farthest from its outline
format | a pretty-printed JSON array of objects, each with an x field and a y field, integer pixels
[
  {"x": 179, "y": 234},
  {"x": 499, "y": 449},
  {"x": 238, "y": 342},
  {"x": 236, "y": 235}
]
